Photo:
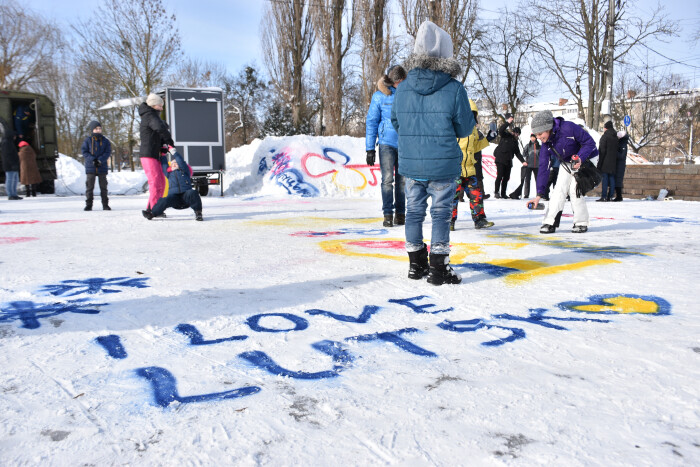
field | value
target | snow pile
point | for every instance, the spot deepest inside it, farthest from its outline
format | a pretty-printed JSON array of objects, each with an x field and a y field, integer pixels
[
  {"x": 71, "y": 179},
  {"x": 302, "y": 165}
]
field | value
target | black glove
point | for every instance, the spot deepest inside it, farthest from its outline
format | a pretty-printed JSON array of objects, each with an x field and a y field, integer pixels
[
  {"x": 371, "y": 156},
  {"x": 170, "y": 142},
  {"x": 97, "y": 163}
]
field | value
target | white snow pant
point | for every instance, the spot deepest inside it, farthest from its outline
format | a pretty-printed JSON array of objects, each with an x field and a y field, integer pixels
[{"x": 566, "y": 185}]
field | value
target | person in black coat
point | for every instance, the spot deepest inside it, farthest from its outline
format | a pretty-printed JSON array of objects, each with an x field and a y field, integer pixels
[
  {"x": 96, "y": 151},
  {"x": 607, "y": 161},
  {"x": 154, "y": 134},
  {"x": 622, "y": 141},
  {"x": 507, "y": 148},
  {"x": 10, "y": 160}
]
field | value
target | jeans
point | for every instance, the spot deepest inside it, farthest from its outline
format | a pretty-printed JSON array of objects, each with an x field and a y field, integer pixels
[
  {"x": 90, "y": 188},
  {"x": 608, "y": 186},
  {"x": 393, "y": 184},
  {"x": 11, "y": 181},
  {"x": 441, "y": 193}
]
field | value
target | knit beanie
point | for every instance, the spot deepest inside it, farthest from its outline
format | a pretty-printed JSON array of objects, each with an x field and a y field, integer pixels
[
  {"x": 542, "y": 121},
  {"x": 154, "y": 99},
  {"x": 433, "y": 41},
  {"x": 92, "y": 125},
  {"x": 608, "y": 125}
]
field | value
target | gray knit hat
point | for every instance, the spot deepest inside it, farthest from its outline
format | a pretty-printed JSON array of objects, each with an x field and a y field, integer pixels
[
  {"x": 154, "y": 99},
  {"x": 433, "y": 41},
  {"x": 542, "y": 121}
]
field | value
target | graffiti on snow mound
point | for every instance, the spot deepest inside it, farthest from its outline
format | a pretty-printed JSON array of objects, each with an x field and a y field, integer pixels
[{"x": 286, "y": 176}]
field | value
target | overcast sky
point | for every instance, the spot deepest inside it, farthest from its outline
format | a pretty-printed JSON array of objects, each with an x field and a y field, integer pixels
[{"x": 227, "y": 31}]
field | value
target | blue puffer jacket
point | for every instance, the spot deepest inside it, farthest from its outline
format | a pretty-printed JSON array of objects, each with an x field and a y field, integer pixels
[
  {"x": 96, "y": 147},
  {"x": 568, "y": 139},
  {"x": 180, "y": 180},
  {"x": 378, "y": 122},
  {"x": 431, "y": 110}
]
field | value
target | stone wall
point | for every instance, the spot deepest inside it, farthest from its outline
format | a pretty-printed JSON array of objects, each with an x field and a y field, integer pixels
[{"x": 681, "y": 181}]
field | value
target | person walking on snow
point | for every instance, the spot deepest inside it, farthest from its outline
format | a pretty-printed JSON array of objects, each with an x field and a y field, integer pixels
[
  {"x": 507, "y": 148},
  {"x": 29, "y": 174},
  {"x": 622, "y": 140},
  {"x": 430, "y": 111},
  {"x": 96, "y": 151},
  {"x": 154, "y": 134},
  {"x": 468, "y": 181},
  {"x": 607, "y": 161},
  {"x": 378, "y": 125},
  {"x": 181, "y": 193},
  {"x": 572, "y": 145}
]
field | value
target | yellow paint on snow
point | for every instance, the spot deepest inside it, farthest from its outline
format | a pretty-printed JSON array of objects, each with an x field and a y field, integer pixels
[
  {"x": 622, "y": 305},
  {"x": 516, "y": 278}
]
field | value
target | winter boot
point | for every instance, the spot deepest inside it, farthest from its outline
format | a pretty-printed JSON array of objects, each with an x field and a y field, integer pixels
[
  {"x": 601, "y": 199},
  {"x": 497, "y": 195},
  {"x": 34, "y": 191},
  {"x": 579, "y": 229},
  {"x": 399, "y": 219},
  {"x": 618, "y": 194},
  {"x": 418, "y": 263},
  {"x": 452, "y": 225},
  {"x": 28, "y": 190},
  {"x": 483, "y": 224},
  {"x": 147, "y": 214},
  {"x": 547, "y": 229},
  {"x": 441, "y": 272},
  {"x": 388, "y": 220},
  {"x": 198, "y": 216},
  {"x": 105, "y": 207},
  {"x": 88, "y": 207}
]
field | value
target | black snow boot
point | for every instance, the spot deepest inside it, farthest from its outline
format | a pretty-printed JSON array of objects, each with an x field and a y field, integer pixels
[
  {"x": 198, "y": 216},
  {"x": 147, "y": 214},
  {"x": 547, "y": 229},
  {"x": 418, "y": 263},
  {"x": 388, "y": 220},
  {"x": 441, "y": 272},
  {"x": 399, "y": 219},
  {"x": 618, "y": 194},
  {"x": 88, "y": 207}
]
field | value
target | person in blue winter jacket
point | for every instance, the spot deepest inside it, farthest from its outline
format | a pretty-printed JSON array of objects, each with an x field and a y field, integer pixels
[
  {"x": 571, "y": 145},
  {"x": 378, "y": 126},
  {"x": 181, "y": 193},
  {"x": 430, "y": 111},
  {"x": 96, "y": 151}
]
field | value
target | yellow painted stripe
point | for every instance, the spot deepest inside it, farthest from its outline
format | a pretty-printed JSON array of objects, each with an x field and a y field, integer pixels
[{"x": 513, "y": 279}]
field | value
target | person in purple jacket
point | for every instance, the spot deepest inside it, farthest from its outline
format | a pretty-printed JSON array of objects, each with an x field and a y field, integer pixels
[{"x": 572, "y": 145}]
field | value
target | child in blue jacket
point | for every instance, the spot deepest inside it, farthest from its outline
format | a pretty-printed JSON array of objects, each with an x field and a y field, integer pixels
[{"x": 181, "y": 193}]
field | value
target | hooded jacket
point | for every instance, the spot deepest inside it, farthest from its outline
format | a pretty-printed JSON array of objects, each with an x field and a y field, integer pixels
[
  {"x": 154, "y": 132},
  {"x": 607, "y": 148},
  {"x": 96, "y": 147},
  {"x": 8, "y": 151},
  {"x": 430, "y": 111},
  {"x": 179, "y": 180},
  {"x": 29, "y": 170},
  {"x": 566, "y": 139},
  {"x": 378, "y": 123}
]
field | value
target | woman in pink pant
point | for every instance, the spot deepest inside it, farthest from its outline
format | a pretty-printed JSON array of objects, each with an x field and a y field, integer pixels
[{"x": 154, "y": 134}]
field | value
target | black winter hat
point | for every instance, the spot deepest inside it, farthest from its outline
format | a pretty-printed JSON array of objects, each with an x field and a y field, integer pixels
[
  {"x": 608, "y": 125},
  {"x": 516, "y": 130},
  {"x": 93, "y": 124},
  {"x": 508, "y": 115}
]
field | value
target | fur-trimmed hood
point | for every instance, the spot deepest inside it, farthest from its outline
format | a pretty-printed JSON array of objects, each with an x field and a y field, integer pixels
[
  {"x": 446, "y": 65},
  {"x": 384, "y": 86}
]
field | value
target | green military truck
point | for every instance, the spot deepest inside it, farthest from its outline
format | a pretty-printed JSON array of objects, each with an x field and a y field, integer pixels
[{"x": 41, "y": 134}]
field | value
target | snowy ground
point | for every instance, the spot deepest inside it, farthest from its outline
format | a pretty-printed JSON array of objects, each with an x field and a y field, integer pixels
[{"x": 283, "y": 331}]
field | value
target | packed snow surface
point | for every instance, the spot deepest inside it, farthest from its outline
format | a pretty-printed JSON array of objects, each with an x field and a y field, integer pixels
[{"x": 283, "y": 330}]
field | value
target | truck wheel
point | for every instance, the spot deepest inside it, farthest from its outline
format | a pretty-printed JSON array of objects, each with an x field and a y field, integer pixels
[{"x": 203, "y": 190}]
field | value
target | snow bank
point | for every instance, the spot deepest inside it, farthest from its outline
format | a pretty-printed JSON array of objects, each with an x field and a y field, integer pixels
[{"x": 71, "y": 179}]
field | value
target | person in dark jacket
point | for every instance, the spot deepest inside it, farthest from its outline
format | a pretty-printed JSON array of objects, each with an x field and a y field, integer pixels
[
  {"x": 607, "y": 161},
  {"x": 507, "y": 148},
  {"x": 378, "y": 126},
  {"x": 622, "y": 141},
  {"x": 10, "y": 160},
  {"x": 430, "y": 111},
  {"x": 29, "y": 174},
  {"x": 181, "y": 193},
  {"x": 572, "y": 145},
  {"x": 23, "y": 118},
  {"x": 531, "y": 156},
  {"x": 154, "y": 135},
  {"x": 96, "y": 151}
]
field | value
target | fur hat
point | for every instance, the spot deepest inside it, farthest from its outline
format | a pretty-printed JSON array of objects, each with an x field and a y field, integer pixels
[
  {"x": 433, "y": 41},
  {"x": 154, "y": 99},
  {"x": 542, "y": 121}
]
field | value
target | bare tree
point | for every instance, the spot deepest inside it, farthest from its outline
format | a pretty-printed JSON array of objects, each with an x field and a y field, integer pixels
[
  {"x": 377, "y": 47},
  {"x": 573, "y": 43},
  {"x": 244, "y": 94},
  {"x": 287, "y": 39},
  {"x": 457, "y": 17},
  {"x": 335, "y": 25},
  {"x": 507, "y": 72},
  {"x": 196, "y": 73},
  {"x": 137, "y": 41},
  {"x": 28, "y": 46}
]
